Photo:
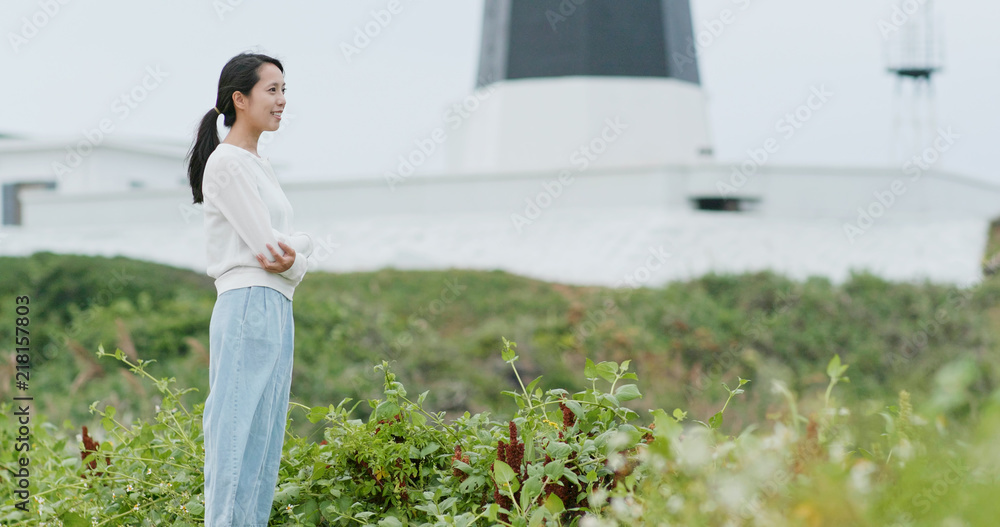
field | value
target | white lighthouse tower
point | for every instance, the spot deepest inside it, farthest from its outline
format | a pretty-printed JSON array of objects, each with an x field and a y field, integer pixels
[{"x": 601, "y": 83}]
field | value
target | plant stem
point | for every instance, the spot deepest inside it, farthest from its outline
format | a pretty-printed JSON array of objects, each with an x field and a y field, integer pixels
[{"x": 527, "y": 396}]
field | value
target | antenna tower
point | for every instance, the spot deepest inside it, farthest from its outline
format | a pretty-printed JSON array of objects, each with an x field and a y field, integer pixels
[{"x": 913, "y": 56}]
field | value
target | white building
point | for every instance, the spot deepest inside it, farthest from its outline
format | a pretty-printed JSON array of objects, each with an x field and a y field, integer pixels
[{"x": 588, "y": 168}]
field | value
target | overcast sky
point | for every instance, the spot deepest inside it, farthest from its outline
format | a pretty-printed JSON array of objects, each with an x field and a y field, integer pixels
[{"x": 353, "y": 117}]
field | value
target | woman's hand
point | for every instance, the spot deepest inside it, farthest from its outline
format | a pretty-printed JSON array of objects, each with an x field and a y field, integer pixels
[{"x": 281, "y": 263}]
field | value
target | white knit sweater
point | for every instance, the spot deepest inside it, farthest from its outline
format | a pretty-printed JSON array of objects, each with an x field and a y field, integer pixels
[{"x": 245, "y": 209}]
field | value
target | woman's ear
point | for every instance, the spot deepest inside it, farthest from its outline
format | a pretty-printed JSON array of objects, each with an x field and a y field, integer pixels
[{"x": 239, "y": 100}]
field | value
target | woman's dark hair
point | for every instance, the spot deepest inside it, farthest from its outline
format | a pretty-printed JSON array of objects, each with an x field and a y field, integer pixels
[{"x": 240, "y": 74}]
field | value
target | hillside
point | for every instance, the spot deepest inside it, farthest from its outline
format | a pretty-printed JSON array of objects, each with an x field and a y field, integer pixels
[{"x": 442, "y": 330}]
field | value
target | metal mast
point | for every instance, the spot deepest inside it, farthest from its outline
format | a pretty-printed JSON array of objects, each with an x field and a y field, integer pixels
[{"x": 913, "y": 57}]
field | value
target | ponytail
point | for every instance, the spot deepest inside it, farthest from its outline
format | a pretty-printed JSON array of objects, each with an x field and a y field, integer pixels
[{"x": 204, "y": 144}]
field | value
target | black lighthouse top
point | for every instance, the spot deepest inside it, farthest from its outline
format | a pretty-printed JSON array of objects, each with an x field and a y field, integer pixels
[{"x": 553, "y": 38}]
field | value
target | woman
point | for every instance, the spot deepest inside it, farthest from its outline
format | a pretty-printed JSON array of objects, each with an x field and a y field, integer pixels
[{"x": 257, "y": 261}]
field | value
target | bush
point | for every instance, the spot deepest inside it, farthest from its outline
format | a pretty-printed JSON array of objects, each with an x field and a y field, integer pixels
[{"x": 581, "y": 458}]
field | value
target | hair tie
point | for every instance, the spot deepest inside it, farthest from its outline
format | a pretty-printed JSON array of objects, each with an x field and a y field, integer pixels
[{"x": 216, "y": 110}]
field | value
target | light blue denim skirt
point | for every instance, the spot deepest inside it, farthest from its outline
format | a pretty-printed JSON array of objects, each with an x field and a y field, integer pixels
[{"x": 251, "y": 338}]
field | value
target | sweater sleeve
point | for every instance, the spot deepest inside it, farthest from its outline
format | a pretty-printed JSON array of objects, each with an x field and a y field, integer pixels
[
  {"x": 303, "y": 245},
  {"x": 236, "y": 196},
  {"x": 302, "y": 242}
]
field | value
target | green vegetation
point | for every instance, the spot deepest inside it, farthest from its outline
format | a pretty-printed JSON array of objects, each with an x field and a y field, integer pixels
[
  {"x": 562, "y": 459},
  {"x": 795, "y": 446},
  {"x": 441, "y": 331}
]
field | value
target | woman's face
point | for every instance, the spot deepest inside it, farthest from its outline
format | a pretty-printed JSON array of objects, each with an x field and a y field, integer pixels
[{"x": 267, "y": 100}]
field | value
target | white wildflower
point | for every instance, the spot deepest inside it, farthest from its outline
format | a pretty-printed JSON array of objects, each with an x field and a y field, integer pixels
[{"x": 861, "y": 476}]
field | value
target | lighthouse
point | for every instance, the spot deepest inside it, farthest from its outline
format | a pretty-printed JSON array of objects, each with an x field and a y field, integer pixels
[{"x": 575, "y": 84}]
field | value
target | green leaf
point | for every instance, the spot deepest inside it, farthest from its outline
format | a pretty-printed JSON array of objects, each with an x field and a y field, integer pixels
[
  {"x": 72, "y": 519},
  {"x": 590, "y": 371},
  {"x": 471, "y": 483},
  {"x": 505, "y": 476},
  {"x": 447, "y": 504},
  {"x": 531, "y": 385},
  {"x": 627, "y": 392},
  {"x": 537, "y": 518},
  {"x": 385, "y": 410},
  {"x": 570, "y": 475},
  {"x": 576, "y": 407},
  {"x": 554, "y": 470},
  {"x": 558, "y": 450},
  {"x": 429, "y": 449},
  {"x": 833, "y": 368},
  {"x": 286, "y": 494},
  {"x": 507, "y": 353},
  {"x": 317, "y": 414},
  {"x": 715, "y": 421},
  {"x": 531, "y": 489},
  {"x": 608, "y": 371},
  {"x": 319, "y": 468},
  {"x": 390, "y": 521},
  {"x": 554, "y": 504},
  {"x": 611, "y": 400},
  {"x": 679, "y": 415},
  {"x": 515, "y": 395},
  {"x": 463, "y": 466}
]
